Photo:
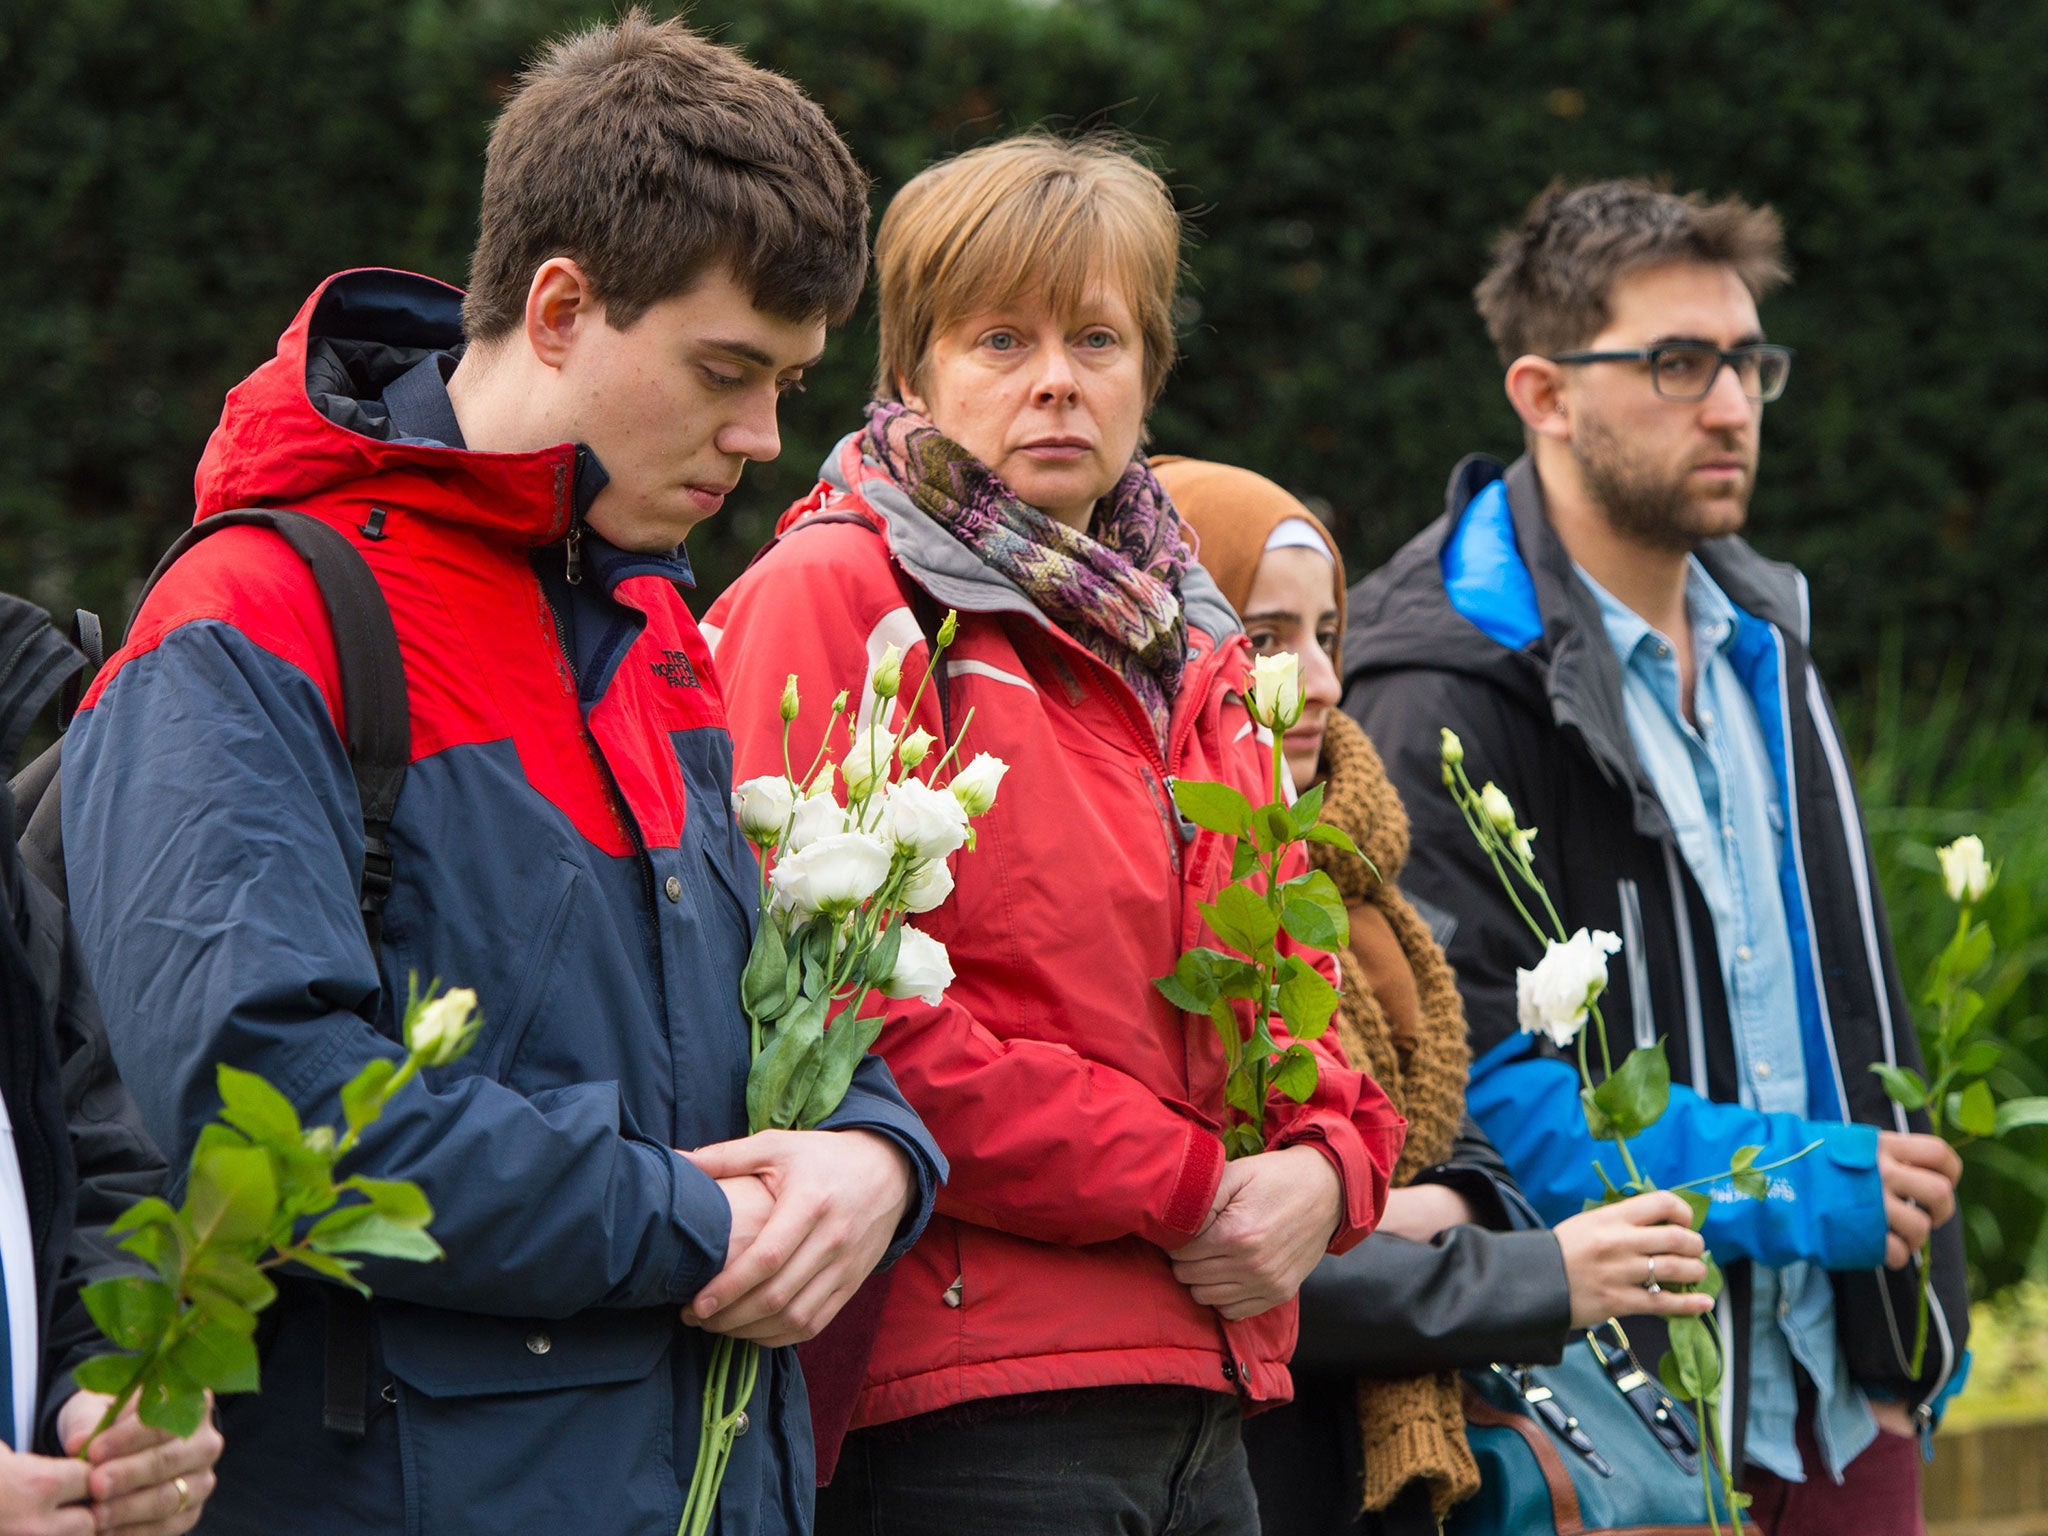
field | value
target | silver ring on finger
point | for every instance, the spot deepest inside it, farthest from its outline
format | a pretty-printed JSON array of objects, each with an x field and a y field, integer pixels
[{"x": 1650, "y": 1282}]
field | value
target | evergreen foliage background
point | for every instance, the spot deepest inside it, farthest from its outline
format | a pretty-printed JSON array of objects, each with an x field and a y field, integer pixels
[{"x": 175, "y": 178}]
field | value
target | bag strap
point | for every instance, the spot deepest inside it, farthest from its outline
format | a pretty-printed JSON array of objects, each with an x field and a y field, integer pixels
[
  {"x": 1564, "y": 1497},
  {"x": 373, "y": 694}
]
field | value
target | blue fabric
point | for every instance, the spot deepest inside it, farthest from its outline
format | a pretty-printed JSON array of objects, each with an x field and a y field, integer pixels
[
  {"x": 1528, "y": 1105},
  {"x": 1721, "y": 787},
  {"x": 214, "y": 846},
  {"x": 1484, "y": 573},
  {"x": 418, "y": 406}
]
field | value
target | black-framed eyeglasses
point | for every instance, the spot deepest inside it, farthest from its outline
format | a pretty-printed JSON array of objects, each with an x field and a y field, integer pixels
[{"x": 1686, "y": 370}]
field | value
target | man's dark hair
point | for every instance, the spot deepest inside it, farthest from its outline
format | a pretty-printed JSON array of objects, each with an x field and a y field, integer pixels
[
  {"x": 651, "y": 156},
  {"x": 1552, "y": 273}
]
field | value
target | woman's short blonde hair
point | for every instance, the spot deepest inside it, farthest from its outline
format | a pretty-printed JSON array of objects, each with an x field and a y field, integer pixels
[{"x": 1036, "y": 213}]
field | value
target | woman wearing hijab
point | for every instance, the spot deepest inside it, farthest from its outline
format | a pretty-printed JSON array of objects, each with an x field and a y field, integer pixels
[
  {"x": 1071, "y": 1345},
  {"x": 1457, "y": 1274}
]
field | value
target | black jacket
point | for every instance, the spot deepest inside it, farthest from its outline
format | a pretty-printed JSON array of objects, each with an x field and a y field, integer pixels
[
  {"x": 84, "y": 1155},
  {"x": 1545, "y": 720},
  {"x": 1392, "y": 1308}
]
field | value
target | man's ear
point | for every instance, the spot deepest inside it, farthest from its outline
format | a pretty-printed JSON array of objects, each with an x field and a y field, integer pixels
[
  {"x": 1535, "y": 388},
  {"x": 559, "y": 302}
]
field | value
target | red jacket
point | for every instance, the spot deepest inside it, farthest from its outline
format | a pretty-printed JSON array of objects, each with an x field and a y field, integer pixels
[{"x": 1078, "y": 1108}]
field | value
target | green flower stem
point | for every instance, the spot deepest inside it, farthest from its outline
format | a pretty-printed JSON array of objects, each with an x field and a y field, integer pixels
[
  {"x": 1712, "y": 1178},
  {"x": 952, "y": 748}
]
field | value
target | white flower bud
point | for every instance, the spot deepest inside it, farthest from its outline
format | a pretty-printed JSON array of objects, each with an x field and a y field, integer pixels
[
  {"x": 1495, "y": 806},
  {"x": 889, "y": 672},
  {"x": 1965, "y": 871},
  {"x": 833, "y": 875},
  {"x": 441, "y": 1030},
  {"x": 915, "y": 747},
  {"x": 840, "y": 701},
  {"x": 923, "y": 822},
  {"x": 1276, "y": 699},
  {"x": 867, "y": 761},
  {"x": 1555, "y": 998},
  {"x": 949, "y": 626},
  {"x": 1454, "y": 749},
  {"x": 975, "y": 785},
  {"x": 789, "y": 698},
  {"x": 762, "y": 807},
  {"x": 923, "y": 969},
  {"x": 928, "y": 887}
]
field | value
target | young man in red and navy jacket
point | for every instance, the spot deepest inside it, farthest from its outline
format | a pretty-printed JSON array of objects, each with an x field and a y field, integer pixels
[{"x": 666, "y": 233}]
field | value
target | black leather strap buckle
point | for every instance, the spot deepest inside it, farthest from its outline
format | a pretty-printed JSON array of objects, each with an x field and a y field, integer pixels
[{"x": 1660, "y": 1415}]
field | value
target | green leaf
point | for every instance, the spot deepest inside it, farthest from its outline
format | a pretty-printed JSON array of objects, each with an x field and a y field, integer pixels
[
  {"x": 1307, "y": 811},
  {"x": 1699, "y": 1205},
  {"x": 1972, "y": 950},
  {"x": 761, "y": 983},
  {"x": 1174, "y": 992},
  {"x": 1336, "y": 837},
  {"x": 1216, "y": 807},
  {"x": 233, "y": 1276},
  {"x": 1239, "y": 1093},
  {"x": 1229, "y": 1033},
  {"x": 1698, "y": 1361},
  {"x": 1670, "y": 1374},
  {"x": 777, "y": 1082},
  {"x": 1902, "y": 1084},
  {"x": 218, "y": 1357},
  {"x": 1634, "y": 1095},
  {"x": 1978, "y": 1113},
  {"x": 173, "y": 1406},
  {"x": 1244, "y": 858},
  {"x": 110, "y": 1374},
  {"x": 882, "y": 958},
  {"x": 2017, "y": 1114},
  {"x": 1273, "y": 828},
  {"x": 846, "y": 1042},
  {"x": 1241, "y": 919},
  {"x": 1597, "y": 1123},
  {"x": 363, "y": 1229},
  {"x": 1242, "y": 1140},
  {"x": 362, "y": 1097},
  {"x": 131, "y": 1311},
  {"x": 399, "y": 1199},
  {"x": 1313, "y": 912},
  {"x": 1745, "y": 1157},
  {"x": 255, "y": 1108},
  {"x": 1711, "y": 1285},
  {"x": 1296, "y": 1073},
  {"x": 144, "y": 1213},
  {"x": 1978, "y": 1058},
  {"x": 333, "y": 1268},
  {"x": 1307, "y": 1001},
  {"x": 232, "y": 1195},
  {"x": 1969, "y": 1004},
  {"x": 1751, "y": 1184},
  {"x": 1242, "y": 980}
]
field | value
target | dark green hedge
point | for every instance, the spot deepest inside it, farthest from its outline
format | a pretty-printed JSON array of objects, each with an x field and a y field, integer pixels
[{"x": 176, "y": 177}]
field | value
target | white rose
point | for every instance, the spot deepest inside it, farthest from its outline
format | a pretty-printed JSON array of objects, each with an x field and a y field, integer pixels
[
  {"x": 923, "y": 822},
  {"x": 762, "y": 807},
  {"x": 975, "y": 785},
  {"x": 835, "y": 874},
  {"x": 1555, "y": 998},
  {"x": 1276, "y": 690},
  {"x": 817, "y": 815},
  {"x": 443, "y": 1029},
  {"x": 1965, "y": 871},
  {"x": 923, "y": 969},
  {"x": 928, "y": 886},
  {"x": 867, "y": 761},
  {"x": 1495, "y": 806}
]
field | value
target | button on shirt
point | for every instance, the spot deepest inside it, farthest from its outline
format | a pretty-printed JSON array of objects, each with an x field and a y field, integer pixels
[{"x": 1715, "y": 778}]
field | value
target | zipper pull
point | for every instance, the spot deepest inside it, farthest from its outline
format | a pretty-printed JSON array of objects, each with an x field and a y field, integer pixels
[
  {"x": 574, "y": 547},
  {"x": 1187, "y": 828}
]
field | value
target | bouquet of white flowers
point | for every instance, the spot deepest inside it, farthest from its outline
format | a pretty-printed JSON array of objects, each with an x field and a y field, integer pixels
[{"x": 838, "y": 879}]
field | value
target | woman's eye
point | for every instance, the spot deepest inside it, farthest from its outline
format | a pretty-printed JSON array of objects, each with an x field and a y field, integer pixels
[
  {"x": 719, "y": 380},
  {"x": 1002, "y": 341},
  {"x": 1099, "y": 340},
  {"x": 1263, "y": 641},
  {"x": 1328, "y": 641}
]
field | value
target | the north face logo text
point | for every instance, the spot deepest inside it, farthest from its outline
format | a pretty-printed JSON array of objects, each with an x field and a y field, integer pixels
[{"x": 674, "y": 669}]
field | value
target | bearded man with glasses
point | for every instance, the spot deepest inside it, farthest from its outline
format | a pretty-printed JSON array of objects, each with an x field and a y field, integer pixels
[{"x": 1637, "y": 679}]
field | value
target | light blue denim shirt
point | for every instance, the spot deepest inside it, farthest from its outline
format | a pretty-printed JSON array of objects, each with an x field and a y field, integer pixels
[{"x": 1720, "y": 791}]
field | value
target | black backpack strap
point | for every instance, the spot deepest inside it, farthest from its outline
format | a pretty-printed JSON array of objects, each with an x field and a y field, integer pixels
[
  {"x": 91, "y": 641},
  {"x": 373, "y": 696},
  {"x": 923, "y": 605}
]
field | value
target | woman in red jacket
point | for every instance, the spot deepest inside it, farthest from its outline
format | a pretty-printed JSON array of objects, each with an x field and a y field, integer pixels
[{"x": 1072, "y": 1344}]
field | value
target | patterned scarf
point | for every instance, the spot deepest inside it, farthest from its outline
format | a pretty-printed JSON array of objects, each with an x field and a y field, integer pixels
[{"x": 1117, "y": 593}]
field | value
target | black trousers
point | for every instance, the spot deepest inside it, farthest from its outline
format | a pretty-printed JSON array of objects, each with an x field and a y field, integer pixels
[{"x": 1116, "y": 1461}]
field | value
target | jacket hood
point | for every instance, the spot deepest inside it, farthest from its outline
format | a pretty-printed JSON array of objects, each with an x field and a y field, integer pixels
[
  {"x": 953, "y": 573},
  {"x": 308, "y": 424}
]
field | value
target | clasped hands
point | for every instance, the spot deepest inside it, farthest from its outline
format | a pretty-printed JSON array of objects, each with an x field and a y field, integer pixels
[
  {"x": 812, "y": 1214},
  {"x": 139, "y": 1480},
  {"x": 1270, "y": 1223}
]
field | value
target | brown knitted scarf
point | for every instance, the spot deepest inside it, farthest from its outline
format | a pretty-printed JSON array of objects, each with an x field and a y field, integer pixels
[{"x": 1412, "y": 1428}]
